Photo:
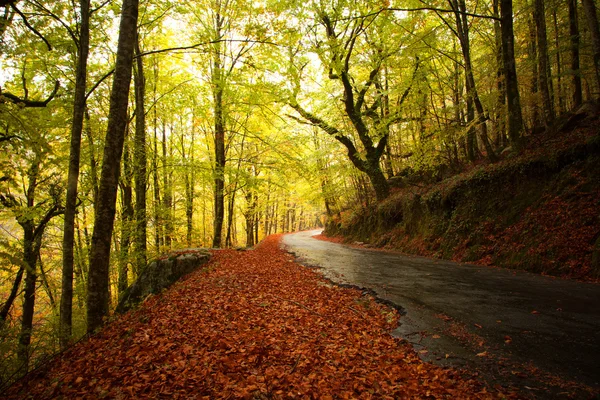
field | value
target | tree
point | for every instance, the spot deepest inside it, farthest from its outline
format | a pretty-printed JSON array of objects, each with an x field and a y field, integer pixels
[
  {"x": 462, "y": 33},
  {"x": 513, "y": 99},
  {"x": 591, "y": 15},
  {"x": 33, "y": 216},
  {"x": 98, "y": 283},
  {"x": 340, "y": 45},
  {"x": 577, "y": 95},
  {"x": 79, "y": 103},
  {"x": 140, "y": 159},
  {"x": 543, "y": 64}
]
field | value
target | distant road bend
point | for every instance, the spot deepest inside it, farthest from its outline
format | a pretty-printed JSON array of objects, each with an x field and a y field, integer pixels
[{"x": 515, "y": 328}]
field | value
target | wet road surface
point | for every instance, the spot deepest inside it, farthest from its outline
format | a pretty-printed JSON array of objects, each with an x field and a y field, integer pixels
[{"x": 517, "y": 329}]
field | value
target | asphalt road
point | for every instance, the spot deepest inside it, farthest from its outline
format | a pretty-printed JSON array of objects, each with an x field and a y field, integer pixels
[{"x": 536, "y": 333}]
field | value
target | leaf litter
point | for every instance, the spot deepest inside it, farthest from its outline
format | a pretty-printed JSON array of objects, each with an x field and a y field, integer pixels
[{"x": 253, "y": 325}]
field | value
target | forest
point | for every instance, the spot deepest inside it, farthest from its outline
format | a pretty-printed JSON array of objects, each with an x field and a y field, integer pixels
[{"x": 132, "y": 128}]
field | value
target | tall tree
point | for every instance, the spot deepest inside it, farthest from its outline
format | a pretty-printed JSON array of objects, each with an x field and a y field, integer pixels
[
  {"x": 543, "y": 64},
  {"x": 33, "y": 215},
  {"x": 577, "y": 95},
  {"x": 98, "y": 281},
  {"x": 369, "y": 126},
  {"x": 462, "y": 33},
  {"x": 218, "y": 87},
  {"x": 140, "y": 160},
  {"x": 513, "y": 99},
  {"x": 591, "y": 15},
  {"x": 79, "y": 103}
]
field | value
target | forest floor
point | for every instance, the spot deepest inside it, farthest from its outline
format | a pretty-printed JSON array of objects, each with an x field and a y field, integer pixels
[{"x": 254, "y": 325}]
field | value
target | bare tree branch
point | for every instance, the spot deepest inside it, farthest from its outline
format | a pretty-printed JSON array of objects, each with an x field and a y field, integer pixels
[
  {"x": 6, "y": 96},
  {"x": 28, "y": 25}
]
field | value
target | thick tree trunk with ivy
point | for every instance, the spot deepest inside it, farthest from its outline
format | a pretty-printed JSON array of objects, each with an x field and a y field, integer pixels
[
  {"x": 79, "y": 104},
  {"x": 98, "y": 278}
]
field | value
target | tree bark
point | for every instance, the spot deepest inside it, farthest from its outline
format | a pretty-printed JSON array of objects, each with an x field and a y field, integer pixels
[
  {"x": 539, "y": 15},
  {"x": 558, "y": 95},
  {"x": 98, "y": 277},
  {"x": 500, "y": 117},
  {"x": 140, "y": 162},
  {"x": 167, "y": 192},
  {"x": 127, "y": 219},
  {"x": 190, "y": 182},
  {"x": 462, "y": 30},
  {"x": 219, "y": 143},
  {"x": 79, "y": 104},
  {"x": 591, "y": 15},
  {"x": 577, "y": 95},
  {"x": 535, "y": 86},
  {"x": 513, "y": 99},
  {"x": 31, "y": 248},
  {"x": 11, "y": 296}
]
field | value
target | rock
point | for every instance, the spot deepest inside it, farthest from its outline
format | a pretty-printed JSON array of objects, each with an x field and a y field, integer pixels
[{"x": 160, "y": 274}]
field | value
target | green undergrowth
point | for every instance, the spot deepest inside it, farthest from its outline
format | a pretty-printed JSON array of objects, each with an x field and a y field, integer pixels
[{"x": 539, "y": 211}]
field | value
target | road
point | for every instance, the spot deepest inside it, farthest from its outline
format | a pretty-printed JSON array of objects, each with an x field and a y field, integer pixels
[{"x": 515, "y": 328}]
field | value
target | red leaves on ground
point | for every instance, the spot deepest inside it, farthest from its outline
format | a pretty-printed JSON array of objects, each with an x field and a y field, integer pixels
[{"x": 256, "y": 325}]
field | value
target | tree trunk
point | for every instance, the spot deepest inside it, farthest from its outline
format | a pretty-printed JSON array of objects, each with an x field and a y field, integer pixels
[
  {"x": 577, "y": 95},
  {"x": 500, "y": 117},
  {"x": 513, "y": 99},
  {"x": 462, "y": 28},
  {"x": 535, "y": 87},
  {"x": 79, "y": 102},
  {"x": 589, "y": 7},
  {"x": 539, "y": 15},
  {"x": 558, "y": 95},
  {"x": 219, "y": 163},
  {"x": 189, "y": 192},
  {"x": 140, "y": 162},
  {"x": 98, "y": 277},
  {"x": 249, "y": 215},
  {"x": 11, "y": 296},
  {"x": 127, "y": 220},
  {"x": 157, "y": 216},
  {"x": 31, "y": 246},
  {"x": 167, "y": 192}
]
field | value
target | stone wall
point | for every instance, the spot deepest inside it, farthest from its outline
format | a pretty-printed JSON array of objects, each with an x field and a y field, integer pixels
[{"x": 160, "y": 274}]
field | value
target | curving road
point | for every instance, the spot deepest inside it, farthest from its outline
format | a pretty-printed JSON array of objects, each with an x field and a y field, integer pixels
[{"x": 515, "y": 328}]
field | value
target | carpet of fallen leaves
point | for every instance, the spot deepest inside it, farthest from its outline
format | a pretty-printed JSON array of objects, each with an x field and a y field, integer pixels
[{"x": 254, "y": 325}]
